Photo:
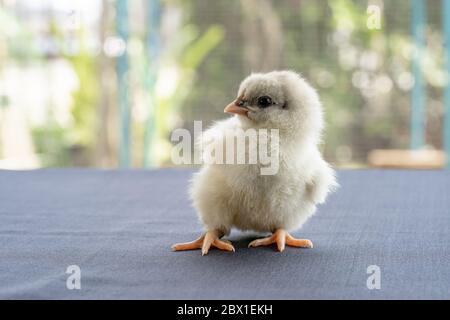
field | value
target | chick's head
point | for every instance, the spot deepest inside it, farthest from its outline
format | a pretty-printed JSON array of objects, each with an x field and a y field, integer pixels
[{"x": 278, "y": 99}]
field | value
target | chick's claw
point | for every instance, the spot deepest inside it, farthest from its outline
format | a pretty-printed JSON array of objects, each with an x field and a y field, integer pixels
[
  {"x": 205, "y": 242},
  {"x": 281, "y": 238}
]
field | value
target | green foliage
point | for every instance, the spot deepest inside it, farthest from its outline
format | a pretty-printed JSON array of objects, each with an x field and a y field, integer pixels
[
  {"x": 84, "y": 100},
  {"x": 197, "y": 51},
  {"x": 52, "y": 145},
  {"x": 16, "y": 39},
  {"x": 186, "y": 55}
]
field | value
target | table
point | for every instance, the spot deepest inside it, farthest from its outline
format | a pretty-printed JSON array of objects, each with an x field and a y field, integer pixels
[{"x": 117, "y": 227}]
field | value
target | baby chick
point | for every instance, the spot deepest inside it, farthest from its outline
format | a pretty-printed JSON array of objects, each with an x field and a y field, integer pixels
[{"x": 238, "y": 195}]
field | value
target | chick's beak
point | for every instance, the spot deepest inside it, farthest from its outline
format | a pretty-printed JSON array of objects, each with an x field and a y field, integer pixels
[{"x": 234, "y": 108}]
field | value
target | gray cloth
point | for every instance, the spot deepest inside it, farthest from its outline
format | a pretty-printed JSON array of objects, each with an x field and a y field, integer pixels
[{"x": 118, "y": 226}]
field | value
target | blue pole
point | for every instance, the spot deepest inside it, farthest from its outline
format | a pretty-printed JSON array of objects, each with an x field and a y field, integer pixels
[
  {"x": 418, "y": 91},
  {"x": 122, "y": 83},
  {"x": 153, "y": 13},
  {"x": 446, "y": 138}
]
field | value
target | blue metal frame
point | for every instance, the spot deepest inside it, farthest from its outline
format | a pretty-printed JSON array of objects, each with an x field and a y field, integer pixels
[{"x": 122, "y": 66}]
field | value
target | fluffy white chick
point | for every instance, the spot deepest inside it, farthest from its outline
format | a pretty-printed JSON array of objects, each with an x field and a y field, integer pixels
[{"x": 238, "y": 195}]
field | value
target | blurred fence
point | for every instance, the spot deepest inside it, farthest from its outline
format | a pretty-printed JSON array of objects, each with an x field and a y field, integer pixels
[{"x": 103, "y": 83}]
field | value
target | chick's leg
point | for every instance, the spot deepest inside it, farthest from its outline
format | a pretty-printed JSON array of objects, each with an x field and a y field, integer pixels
[
  {"x": 205, "y": 242},
  {"x": 282, "y": 238}
]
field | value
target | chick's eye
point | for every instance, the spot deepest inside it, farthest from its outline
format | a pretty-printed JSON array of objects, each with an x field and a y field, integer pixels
[{"x": 264, "y": 102}]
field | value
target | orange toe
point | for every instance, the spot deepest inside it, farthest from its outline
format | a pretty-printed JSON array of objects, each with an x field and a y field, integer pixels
[
  {"x": 205, "y": 242},
  {"x": 196, "y": 244},
  {"x": 281, "y": 238}
]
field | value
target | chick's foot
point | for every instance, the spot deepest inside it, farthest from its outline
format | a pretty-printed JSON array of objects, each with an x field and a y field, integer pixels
[
  {"x": 205, "y": 242},
  {"x": 281, "y": 238}
]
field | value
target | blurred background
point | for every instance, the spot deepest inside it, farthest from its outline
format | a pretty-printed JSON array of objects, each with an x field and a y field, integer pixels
[{"x": 102, "y": 83}]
